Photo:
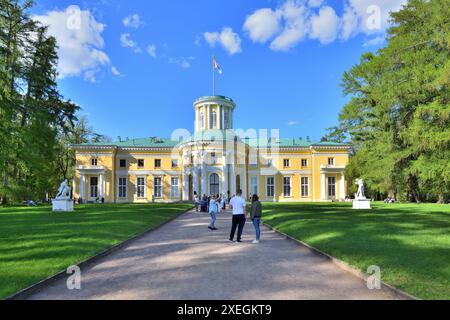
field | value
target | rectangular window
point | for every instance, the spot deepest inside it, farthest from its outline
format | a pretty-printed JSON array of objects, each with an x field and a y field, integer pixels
[
  {"x": 174, "y": 187},
  {"x": 287, "y": 163},
  {"x": 213, "y": 158},
  {"x": 304, "y": 163},
  {"x": 331, "y": 161},
  {"x": 227, "y": 119},
  {"x": 93, "y": 187},
  {"x": 270, "y": 163},
  {"x": 254, "y": 184},
  {"x": 123, "y": 163},
  {"x": 141, "y": 163},
  {"x": 305, "y": 186},
  {"x": 123, "y": 187},
  {"x": 287, "y": 186},
  {"x": 94, "y": 162},
  {"x": 157, "y": 186},
  {"x": 174, "y": 163},
  {"x": 141, "y": 187},
  {"x": 157, "y": 163},
  {"x": 332, "y": 187},
  {"x": 270, "y": 187}
]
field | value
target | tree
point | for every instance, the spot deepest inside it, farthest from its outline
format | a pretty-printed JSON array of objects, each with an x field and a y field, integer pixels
[{"x": 398, "y": 115}]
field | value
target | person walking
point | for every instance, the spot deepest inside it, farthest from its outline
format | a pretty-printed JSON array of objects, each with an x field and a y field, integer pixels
[
  {"x": 196, "y": 201},
  {"x": 213, "y": 210},
  {"x": 255, "y": 216},
  {"x": 238, "y": 205}
]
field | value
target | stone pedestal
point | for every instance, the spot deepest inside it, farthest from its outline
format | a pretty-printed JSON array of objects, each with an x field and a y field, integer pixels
[
  {"x": 62, "y": 205},
  {"x": 360, "y": 204}
]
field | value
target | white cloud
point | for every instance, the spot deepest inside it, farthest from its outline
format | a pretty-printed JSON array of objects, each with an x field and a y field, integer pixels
[
  {"x": 292, "y": 123},
  {"x": 181, "y": 62},
  {"x": 296, "y": 20},
  {"x": 294, "y": 14},
  {"x": 368, "y": 16},
  {"x": 374, "y": 42},
  {"x": 125, "y": 41},
  {"x": 229, "y": 40},
  {"x": 262, "y": 25},
  {"x": 115, "y": 71},
  {"x": 151, "y": 50},
  {"x": 324, "y": 26},
  {"x": 315, "y": 3},
  {"x": 132, "y": 21},
  {"x": 80, "y": 42}
]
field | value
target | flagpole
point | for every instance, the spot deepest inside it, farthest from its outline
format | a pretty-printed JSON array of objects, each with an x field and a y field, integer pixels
[{"x": 214, "y": 76}]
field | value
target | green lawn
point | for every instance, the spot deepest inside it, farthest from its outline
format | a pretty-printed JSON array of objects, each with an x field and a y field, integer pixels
[
  {"x": 409, "y": 242},
  {"x": 36, "y": 243}
]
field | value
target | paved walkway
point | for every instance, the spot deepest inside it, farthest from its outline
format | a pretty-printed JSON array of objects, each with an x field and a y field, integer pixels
[{"x": 185, "y": 260}]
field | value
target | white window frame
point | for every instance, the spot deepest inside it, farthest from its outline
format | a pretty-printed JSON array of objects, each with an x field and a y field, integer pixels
[
  {"x": 97, "y": 188},
  {"x": 213, "y": 119},
  {"x": 119, "y": 187},
  {"x": 329, "y": 185},
  {"x": 226, "y": 115},
  {"x": 287, "y": 163},
  {"x": 138, "y": 178},
  {"x": 176, "y": 162},
  {"x": 331, "y": 161},
  {"x": 94, "y": 162},
  {"x": 161, "y": 186},
  {"x": 254, "y": 184},
  {"x": 201, "y": 117},
  {"x": 273, "y": 186},
  {"x": 304, "y": 161},
  {"x": 304, "y": 187},
  {"x": 285, "y": 185},
  {"x": 174, "y": 188}
]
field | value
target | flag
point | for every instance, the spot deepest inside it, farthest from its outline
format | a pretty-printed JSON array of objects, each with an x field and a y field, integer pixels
[{"x": 216, "y": 66}]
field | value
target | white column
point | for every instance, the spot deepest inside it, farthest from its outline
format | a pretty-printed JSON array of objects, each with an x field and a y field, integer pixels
[
  {"x": 209, "y": 117},
  {"x": 195, "y": 174},
  {"x": 323, "y": 186},
  {"x": 204, "y": 187},
  {"x": 81, "y": 186},
  {"x": 101, "y": 182},
  {"x": 244, "y": 179},
  {"x": 342, "y": 193},
  {"x": 185, "y": 184},
  {"x": 222, "y": 117},
  {"x": 225, "y": 175},
  {"x": 232, "y": 180}
]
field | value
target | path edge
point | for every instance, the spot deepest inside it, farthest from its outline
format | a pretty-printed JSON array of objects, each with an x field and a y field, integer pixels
[
  {"x": 343, "y": 265},
  {"x": 39, "y": 286}
]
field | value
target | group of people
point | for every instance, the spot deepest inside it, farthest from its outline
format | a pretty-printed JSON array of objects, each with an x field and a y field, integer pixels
[{"x": 216, "y": 203}]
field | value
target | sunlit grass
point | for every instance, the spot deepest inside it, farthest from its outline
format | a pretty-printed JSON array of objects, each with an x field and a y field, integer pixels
[
  {"x": 36, "y": 243},
  {"x": 409, "y": 242}
]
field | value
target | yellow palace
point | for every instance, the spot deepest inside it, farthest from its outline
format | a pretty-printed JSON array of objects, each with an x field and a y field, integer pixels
[{"x": 216, "y": 159}]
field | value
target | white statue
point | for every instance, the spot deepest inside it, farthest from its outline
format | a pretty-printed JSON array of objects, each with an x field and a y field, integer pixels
[
  {"x": 63, "y": 191},
  {"x": 361, "y": 192}
]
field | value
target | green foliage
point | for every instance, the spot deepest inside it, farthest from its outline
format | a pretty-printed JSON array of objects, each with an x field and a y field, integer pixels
[
  {"x": 37, "y": 125},
  {"x": 399, "y": 116}
]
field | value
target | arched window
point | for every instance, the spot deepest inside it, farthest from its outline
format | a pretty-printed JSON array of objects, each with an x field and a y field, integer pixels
[
  {"x": 214, "y": 184},
  {"x": 213, "y": 120}
]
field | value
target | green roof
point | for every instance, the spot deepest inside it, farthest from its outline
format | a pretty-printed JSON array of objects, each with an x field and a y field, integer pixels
[{"x": 214, "y": 135}]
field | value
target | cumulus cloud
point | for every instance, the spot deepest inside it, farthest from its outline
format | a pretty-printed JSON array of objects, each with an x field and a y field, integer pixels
[
  {"x": 115, "y": 71},
  {"x": 324, "y": 26},
  {"x": 229, "y": 40},
  {"x": 296, "y": 20},
  {"x": 80, "y": 42},
  {"x": 262, "y": 25},
  {"x": 132, "y": 21},
  {"x": 125, "y": 41},
  {"x": 151, "y": 50}
]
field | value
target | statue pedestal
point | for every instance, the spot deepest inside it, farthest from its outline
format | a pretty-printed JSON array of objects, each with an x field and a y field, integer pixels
[
  {"x": 360, "y": 204},
  {"x": 62, "y": 205}
]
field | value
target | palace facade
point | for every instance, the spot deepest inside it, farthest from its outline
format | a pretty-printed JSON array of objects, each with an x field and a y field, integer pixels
[{"x": 216, "y": 159}]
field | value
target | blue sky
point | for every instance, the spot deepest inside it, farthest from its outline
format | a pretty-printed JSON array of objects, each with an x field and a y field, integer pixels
[{"x": 135, "y": 67}]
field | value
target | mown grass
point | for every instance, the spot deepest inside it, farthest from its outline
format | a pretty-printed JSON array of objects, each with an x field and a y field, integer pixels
[
  {"x": 409, "y": 242},
  {"x": 36, "y": 243}
]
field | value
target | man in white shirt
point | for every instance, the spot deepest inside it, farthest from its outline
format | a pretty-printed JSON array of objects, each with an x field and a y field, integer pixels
[{"x": 238, "y": 205}]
